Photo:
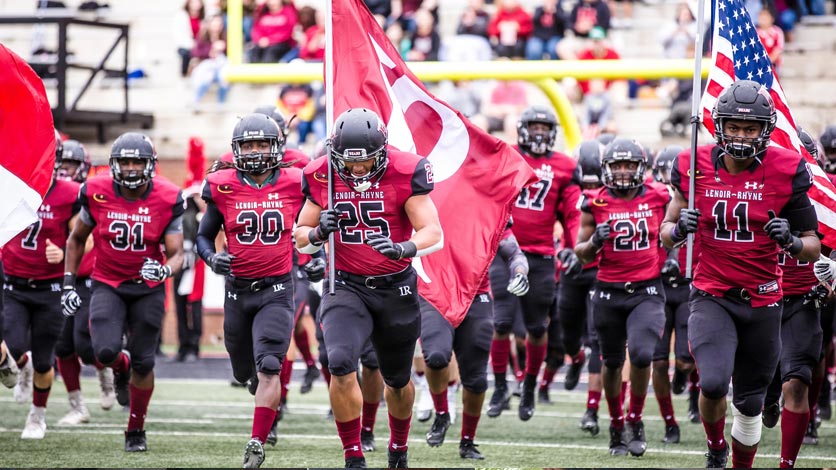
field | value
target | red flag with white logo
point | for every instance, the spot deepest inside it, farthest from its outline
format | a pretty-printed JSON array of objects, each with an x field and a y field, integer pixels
[
  {"x": 29, "y": 142},
  {"x": 477, "y": 176}
]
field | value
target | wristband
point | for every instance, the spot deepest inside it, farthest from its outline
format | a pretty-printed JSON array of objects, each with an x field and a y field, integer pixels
[
  {"x": 675, "y": 237},
  {"x": 794, "y": 247},
  {"x": 314, "y": 237},
  {"x": 69, "y": 280},
  {"x": 409, "y": 250}
]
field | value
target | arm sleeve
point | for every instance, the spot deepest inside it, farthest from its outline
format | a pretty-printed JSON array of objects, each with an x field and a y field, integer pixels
[
  {"x": 179, "y": 208},
  {"x": 84, "y": 216},
  {"x": 174, "y": 226},
  {"x": 422, "y": 178},
  {"x": 514, "y": 258},
  {"x": 676, "y": 177},
  {"x": 583, "y": 204},
  {"x": 208, "y": 230},
  {"x": 306, "y": 191}
]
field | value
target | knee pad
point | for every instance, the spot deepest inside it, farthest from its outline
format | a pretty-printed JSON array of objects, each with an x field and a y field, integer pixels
[
  {"x": 87, "y": 357},
  {"x": 536, "y": 331},
  {"x": 107, "y": 356},
  {"x": 369, "y": 361},
  {"x": 63, "y": 350},
  {"x": 503, "y": 328},
  {"x": 42, "y": 366},
  {"x": 614, "y": 362},
  {"x": 641, "y": 357},
  {"x": 270, "y": 365},
  {"x": 437, "y": 360},
  {"x": 340, "y": 364},
  {"x": 397, "y": 381},
  {"x": 713, "y": 387},
  {"x": 746, "y": 429},
  {"x": 475, "y": 384}
]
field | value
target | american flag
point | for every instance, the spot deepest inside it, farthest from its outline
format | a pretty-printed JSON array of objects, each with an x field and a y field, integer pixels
[{"x": 739, "y": 55}]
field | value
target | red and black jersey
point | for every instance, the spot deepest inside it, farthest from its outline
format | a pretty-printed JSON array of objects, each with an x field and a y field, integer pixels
[
  {"x": 735, "y": 250},
  {"x": 88, "y": 260},
  {"x": 299, "y": 158},
  {"x": 25, "y": 254},
  {"x": 797, "y": 276},
  {"x": 378, "y": 210},
  {"x": 128, "y": 231},
  {"x": 543, "y": 203},
  {"x": 683, "y": 255},
  {"x": 257, "y": 221},
  {"x": 631, "y": 254}
]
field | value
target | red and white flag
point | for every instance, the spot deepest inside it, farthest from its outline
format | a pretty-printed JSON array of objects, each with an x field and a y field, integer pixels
[
  {"x": 477, "y": 176},
  {"x": 28, "y": 141},
  {"x": 739, "y": 55}
]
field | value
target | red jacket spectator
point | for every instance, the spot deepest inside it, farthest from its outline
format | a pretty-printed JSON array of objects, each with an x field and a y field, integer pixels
[
  {"x": 313, "y": 46},
  {"x": 277, "y": 26},
  {"x": 599, "y": 50},
  {"x": 510, "y": 28}
]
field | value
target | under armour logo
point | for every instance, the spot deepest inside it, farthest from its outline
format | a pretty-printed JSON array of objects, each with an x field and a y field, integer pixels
[
  {"x": 751, "y": 185},
  {"x": 272, "y": 196},
  {"x": 8, "y": 287},
  {"x": 232, "y": 296},
  {"x": 605, "y": 295},
  {"x": 142, "y": 210},
  {"x": 278, "y": 287},
  {"x": 483, "y": 298},
  {"x": 644, "y": 207},
  {"x": 404, "y": 290},
  {"x": 46, "y": 208},
  {"x": 651, "y": 290}
]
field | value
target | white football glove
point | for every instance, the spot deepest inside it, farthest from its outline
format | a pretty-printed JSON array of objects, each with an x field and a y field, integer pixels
[
  {"x": 518, "y": 285},
  {"x": 153, "y": 270},
  {"x": 825, "y": 270}
]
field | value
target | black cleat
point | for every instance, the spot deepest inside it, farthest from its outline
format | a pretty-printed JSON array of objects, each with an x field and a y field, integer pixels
[
  {"x": 397, "y": 458},
  {"x": 825, "y": 411},
  {"x": 811, "y": 437},
  {"x": 543, "y": 396},
  {"x": 637, "y": 445},
  {"x": 467, "y": 450},
  {"x": 367, "y": 441},
  {"x": 121, "y": 383},
  {"x": 307, "y": 381},
  {"x": 770, "y": 415},
  {"x": 617, "y": 444},
  {"x": 679, "y": 380},
  {"x": 273, "y": 436},
  {"x": 717, "y": 458},
  {"x": 135, "y": 441},
  {"x": 253, "y": 454},
  {"x": 355, "y": 462},
  {"x": 526, "y": 409},
  {"x": 694, "y": 405},
  {"x": 671, "y": 434},
  {"x": 252, "y": 385},
  {"x": 500, "y": 400},
  {"x": 573, "y": 374},
  {"x": 441, "y": 424},
  {"x": 589, "y": 422}
]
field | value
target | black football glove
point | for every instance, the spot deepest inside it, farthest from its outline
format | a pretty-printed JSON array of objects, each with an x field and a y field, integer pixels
[
  {"x": 601, "y": 234},
  {"x": 315, "y": 269},
  {"x": 390, "y": 249},
  {"x": 571, "y": 264},
  {"x": 221, "y": 263},
  {"x": 670, "y": 270},
  {"x": 329, "y": 222},
  {"x": 687, "y": 223},
  {"x": 154, "y": 271},
  {"x": 778, "y": 229}
]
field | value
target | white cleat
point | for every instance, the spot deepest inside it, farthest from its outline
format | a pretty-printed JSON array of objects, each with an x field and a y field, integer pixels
[
  {"x": 23, "y": 389},
  {"x": 452, "y": 397},
  {"x": 108, "y": 398},
  {"x": 9, "y": 372},
  {"x": 78, "y": 413},
  {"x": 424, "y": 403},
  {"x": 35, "y": 427}
]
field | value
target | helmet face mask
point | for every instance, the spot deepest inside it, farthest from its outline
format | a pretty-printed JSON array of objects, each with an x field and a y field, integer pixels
[
  {"x": 664, "y": 163},
  {"x": 534, "y": 138},
  {"x": 588, "y": 156},
  {"x": 357, "y": 148},
  {"x": 739, "y": 107},
  {"x": 828, "y": 147},
  {"x": 128, "y": 150},
  {"x": 75, "y": 163},
  {"x": 257, "y": 144},
  {"x": 623, "y": 164}
]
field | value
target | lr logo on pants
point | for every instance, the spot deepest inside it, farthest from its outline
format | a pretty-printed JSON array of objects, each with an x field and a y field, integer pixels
[
  {"x": 278, "y": 287},
  {"x": 404, "y": 290}
]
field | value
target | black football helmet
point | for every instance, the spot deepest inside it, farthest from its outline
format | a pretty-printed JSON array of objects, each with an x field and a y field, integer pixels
[
  {"x": 623, "y": 150},
  {"x": 588, "y": 170},
  {"x": 359, "y": 135},
  {"x": 664, "y": 163},
  {"x": 59, "y": 149},
  {"x": 808, "y": 142},
  {"x": 261, "y": 127},
  {"x": 74, "y": 151},
  {"x": 538, "y": 143},
  {"x": 605, "y": 138},
  {"x": 274, "y": 113},
  {"x": 134, "y": 146},
  {"x": 744, "y": 100},
  {"x": 828, "y": 146}
]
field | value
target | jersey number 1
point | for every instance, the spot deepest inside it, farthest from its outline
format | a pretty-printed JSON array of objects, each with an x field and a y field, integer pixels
[{"x": 740, "y": 214}]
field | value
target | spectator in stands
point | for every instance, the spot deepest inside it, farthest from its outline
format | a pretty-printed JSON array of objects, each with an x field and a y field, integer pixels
[
  {"x": 549, "y": 28},
  {"x": 404, "y": 11},
  {"x": 509, "y": 29},
  {"x": 474, "y": 20},
  {"x": 678, "y": 37},
  {"x": 812, "y": 7},
  {"x": 272, "y": 34},
  {"x": 312, "y": 47},
  {"x": 597, "y": 117},
  {"x": 788, "y": 13},
  {"x": 626, "y": 15},
  {"x": 189, "y": 26},
  {"x": 507, "y": 101},
  {"x": 381, "y": 9},
  {"x": 425, "y": 41},
  {"x": 247, "y": 18},
  {"x": 210, "y": 52},
  {"x": 587, "y": 14},
  {"x": 771, "y": 36},
  {"x": 297, "y": 102},
  {"x": 598, "y": 50},
  {"x": 396, "y": 35}
]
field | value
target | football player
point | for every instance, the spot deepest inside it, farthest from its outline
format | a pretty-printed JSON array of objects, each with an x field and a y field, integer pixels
[
  {"x": 750, "y": 204},
  {"x": 132, "y": 215},
  {"x": 381, "y": 195},
  {"x": 620, "y": 222}
]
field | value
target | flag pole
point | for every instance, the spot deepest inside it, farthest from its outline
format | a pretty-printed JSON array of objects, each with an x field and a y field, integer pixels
[
  {"x": 329, "y": 123},
  {"x": 696, "y": 93}
]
